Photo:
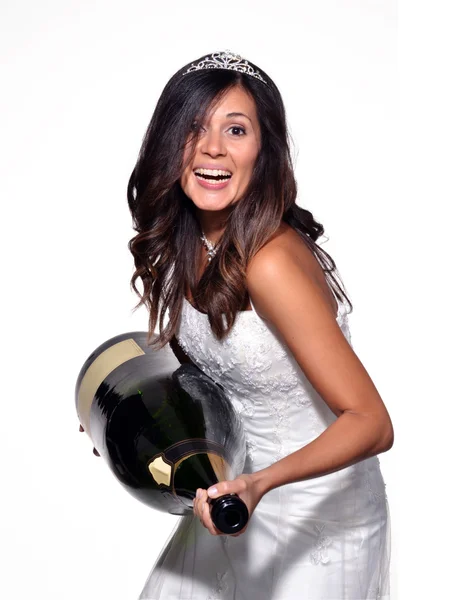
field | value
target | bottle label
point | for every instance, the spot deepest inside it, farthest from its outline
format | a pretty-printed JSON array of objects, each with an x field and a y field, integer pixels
[{"x": 160, "y": 470}]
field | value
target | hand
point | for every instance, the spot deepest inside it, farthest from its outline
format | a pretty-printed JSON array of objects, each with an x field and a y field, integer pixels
[
  {"x": 95, "y": 451},
  {"x": 243, "y": 486}
]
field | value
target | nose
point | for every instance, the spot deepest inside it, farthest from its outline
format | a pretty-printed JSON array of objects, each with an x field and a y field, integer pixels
[{"x": 213, "y": 143}]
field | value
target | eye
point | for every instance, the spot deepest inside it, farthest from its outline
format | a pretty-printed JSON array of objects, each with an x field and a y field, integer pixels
[{"x": 242, "y": 129}]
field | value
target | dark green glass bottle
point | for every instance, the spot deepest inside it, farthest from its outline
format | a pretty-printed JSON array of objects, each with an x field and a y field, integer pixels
[{"x": 163, "y": 429}]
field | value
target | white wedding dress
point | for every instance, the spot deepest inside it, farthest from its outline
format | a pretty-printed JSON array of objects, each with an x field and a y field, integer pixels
[{"x": 326, "y": 538}]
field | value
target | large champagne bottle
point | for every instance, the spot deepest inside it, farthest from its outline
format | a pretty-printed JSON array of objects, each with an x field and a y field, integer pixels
[{"x": 163, "y": 429}]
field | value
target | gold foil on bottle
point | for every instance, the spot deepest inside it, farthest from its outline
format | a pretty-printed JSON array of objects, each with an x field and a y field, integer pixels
[
  {"x": 102, "y": 366},
  {"x": 160, "y": 470},
  {"x": 219, "y": 465}
]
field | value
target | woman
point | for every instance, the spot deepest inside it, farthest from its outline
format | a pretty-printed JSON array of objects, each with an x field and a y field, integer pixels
[{"x": 213, "y": 201}]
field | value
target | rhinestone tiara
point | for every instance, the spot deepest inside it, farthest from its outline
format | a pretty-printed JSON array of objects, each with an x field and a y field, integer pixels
[{"x": 226, "y": 60}]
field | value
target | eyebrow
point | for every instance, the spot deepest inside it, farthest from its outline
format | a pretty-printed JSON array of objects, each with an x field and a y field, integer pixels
[{"x": 237, "y": 114}]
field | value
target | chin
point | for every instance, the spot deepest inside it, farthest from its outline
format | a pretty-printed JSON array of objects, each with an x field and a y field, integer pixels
[
  {"x": 210, "y": 202},
  {"x": 212, "y": 205}
]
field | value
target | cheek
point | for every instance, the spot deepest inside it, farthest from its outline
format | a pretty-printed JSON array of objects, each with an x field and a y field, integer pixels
[
  {"x": 249, "y": 169},
  {"x": 250, "y": 162},
  {"x": 184, "y": 177}
]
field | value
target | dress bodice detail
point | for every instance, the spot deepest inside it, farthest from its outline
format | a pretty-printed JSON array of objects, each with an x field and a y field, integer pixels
[{"x": 279, "y": 407}]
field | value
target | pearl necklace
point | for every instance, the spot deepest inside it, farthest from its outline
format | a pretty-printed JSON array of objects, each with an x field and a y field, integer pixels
[{"x": 211, "y": 251}]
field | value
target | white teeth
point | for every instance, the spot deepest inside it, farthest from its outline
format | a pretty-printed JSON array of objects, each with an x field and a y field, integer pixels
[
  {"x": 213, "y": 181},
  {"x": 214, "y": 172}
]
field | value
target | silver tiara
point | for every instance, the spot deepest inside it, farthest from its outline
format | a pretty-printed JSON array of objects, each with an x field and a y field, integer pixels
[{"x": 225, "y": 60}]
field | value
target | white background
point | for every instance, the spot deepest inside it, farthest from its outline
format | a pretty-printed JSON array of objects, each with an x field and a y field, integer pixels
[{"x": 80, "y": 81}]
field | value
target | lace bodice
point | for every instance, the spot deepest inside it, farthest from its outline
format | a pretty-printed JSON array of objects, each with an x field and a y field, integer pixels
[{"x": 279, "y": 407}]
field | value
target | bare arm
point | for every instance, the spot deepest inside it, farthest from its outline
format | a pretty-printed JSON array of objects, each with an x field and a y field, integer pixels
[{"x": 301, "y": 316}]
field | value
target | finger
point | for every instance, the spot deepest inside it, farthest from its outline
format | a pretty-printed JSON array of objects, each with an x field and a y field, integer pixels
[
  {"x": 208, "y": 523},
  {"x": 207, "y": 519},
  {"x": 222, "y": 488},
  {"x": 199, "y": 512},
  {"x": 237, "y": 486},
  {"x": 194, "y": 508},
  {"x": 200, "y": 505},
  {"x": 195, "y": 502}
]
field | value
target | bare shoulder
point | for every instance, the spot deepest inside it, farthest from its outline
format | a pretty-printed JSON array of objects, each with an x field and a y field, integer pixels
[
  {"x": 283, "y": 255},
  {"x": 285, "y": 291},
  {"x": 288, "y": 238}
]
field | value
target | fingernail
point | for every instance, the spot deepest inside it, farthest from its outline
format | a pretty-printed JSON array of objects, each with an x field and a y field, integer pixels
[
  {"x": 212, "y": 491},
  {"x": 197, "y": 493}
]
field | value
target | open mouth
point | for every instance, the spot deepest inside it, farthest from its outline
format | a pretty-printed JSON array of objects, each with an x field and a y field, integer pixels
[{"x": 213, "y": 175}]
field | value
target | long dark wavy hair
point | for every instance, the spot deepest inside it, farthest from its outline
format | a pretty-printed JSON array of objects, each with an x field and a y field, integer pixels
[{"x": 167, "y": 247}]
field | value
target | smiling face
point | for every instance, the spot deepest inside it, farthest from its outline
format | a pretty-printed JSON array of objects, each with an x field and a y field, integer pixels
[{"x": 226, "y": 151}]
